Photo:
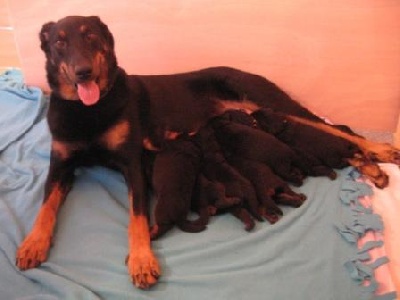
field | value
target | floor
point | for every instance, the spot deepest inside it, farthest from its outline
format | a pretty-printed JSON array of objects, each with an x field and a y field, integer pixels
[{"x": 8, "y": 50}]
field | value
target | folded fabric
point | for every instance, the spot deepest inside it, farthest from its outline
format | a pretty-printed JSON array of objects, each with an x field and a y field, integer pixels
[{"x": 20, "y": 107}]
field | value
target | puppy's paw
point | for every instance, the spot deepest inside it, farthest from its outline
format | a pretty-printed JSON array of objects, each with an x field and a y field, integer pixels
[
  {"x": 271, "y": 213},
  {"x": 143, "y": 268},
  {"x": 291, "y": 199},
  {"x": 33, "y": 251}
]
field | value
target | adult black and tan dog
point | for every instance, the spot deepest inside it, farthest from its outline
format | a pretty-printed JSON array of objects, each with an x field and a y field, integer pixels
[{"x": 99, "y": 115}]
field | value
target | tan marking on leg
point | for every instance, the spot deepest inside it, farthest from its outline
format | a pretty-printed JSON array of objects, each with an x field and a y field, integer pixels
[
  {"x": 34, "y": 249},
  {"x": 381, "y": 152},
  {"x": 142, "y": 264},
  {"x": 116, "y": 135},
  {"x": 245, "y": 105},
  {"x": 372, "y": 152}
]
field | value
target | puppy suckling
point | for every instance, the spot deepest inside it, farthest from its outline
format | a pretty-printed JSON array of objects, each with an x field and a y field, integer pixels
[
  {"x": 270, "y": 188},
  {"x": 319, "y": 148},
  {"x": 311, "y": 165},
  {"x": 174, "y": 174},
  {"x": 216, "y": 169},
  {"x": 250, "y": 143}
]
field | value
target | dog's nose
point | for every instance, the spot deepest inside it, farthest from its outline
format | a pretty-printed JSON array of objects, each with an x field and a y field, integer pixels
[{"x": 83, "y": 72}]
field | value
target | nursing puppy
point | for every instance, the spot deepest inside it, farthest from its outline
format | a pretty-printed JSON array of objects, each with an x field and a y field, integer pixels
[
  {"x": 311, "y": 165},
  {"x": 174, "y": 174},
  {"x": 243, "y": 141}
]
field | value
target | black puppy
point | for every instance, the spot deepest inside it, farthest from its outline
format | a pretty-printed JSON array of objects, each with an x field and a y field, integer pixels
[
  {"x": 269, "y": 187},
  {"x": 174, "y": 175},
  {"x": 209, "y": 200},
  {"x": 310, "y": 164},
  {"x": 329, "y": 150},
  {"x": 254, "y": 144},
  {"x": 217, "y": 170}
]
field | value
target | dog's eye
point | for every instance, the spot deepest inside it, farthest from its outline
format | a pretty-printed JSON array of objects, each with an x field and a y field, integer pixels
[
  {"x": 91, "y": 37},
  {"x": 60, "y": 44}
]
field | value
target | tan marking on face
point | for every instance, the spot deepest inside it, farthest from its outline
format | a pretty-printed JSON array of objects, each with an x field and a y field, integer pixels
[
  {"x": 66, "y": 82},
  {"x": 83, "y": 28},
  {"x": 116, "y": 135},
  {"x": 62, "y": 34},
  {"x": 100, "y": 68}
]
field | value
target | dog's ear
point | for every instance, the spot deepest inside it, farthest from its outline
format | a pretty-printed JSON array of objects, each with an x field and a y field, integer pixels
[
  {"x": 105, "y": 31},
  {"x": 44, "y": 36}
]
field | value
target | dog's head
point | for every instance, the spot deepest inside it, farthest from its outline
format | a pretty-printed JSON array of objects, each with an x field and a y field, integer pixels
[{"x": 80, "y": 58}]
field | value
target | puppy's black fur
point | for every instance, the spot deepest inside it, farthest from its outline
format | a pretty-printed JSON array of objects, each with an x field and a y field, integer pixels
[
  {"x": 174, "y": 175},
  {"x": 253, "y": 144},
  {"x": 240, "y": 195},
  {"x": 99, "y": 115},
  {"x": 325, "y": 148},
  {"x": 270, "y": 188},
  {"x": 311, "y": 165}
]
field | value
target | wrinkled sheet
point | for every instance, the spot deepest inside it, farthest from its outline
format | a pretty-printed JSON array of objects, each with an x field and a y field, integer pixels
[{"x": 300, "y": 257}]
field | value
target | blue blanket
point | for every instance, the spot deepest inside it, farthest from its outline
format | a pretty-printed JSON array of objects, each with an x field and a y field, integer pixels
[{"x": 303, "y": 256}]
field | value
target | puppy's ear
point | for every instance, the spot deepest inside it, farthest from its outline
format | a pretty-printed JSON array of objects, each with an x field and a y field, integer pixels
[
  {"x": 45, "y": 35},
  {"x": 105, "y": 31}
]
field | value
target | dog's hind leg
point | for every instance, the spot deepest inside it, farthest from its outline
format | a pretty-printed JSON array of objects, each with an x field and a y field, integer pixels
[{"x": 372, "y": 151}]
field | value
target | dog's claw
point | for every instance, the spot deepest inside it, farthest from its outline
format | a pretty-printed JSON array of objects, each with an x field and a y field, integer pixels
[{"x": 32, "y": 252}]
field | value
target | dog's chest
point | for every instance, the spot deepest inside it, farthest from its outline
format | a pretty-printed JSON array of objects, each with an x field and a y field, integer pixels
[{"x": 101, "y": 149}]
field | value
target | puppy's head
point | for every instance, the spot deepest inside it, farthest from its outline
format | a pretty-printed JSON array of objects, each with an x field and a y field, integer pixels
[
  {"x": 80, "y": 58},
  {"x": 270, "y": 121}
]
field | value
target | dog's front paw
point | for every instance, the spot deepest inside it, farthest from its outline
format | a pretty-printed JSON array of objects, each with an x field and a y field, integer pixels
[
  {"x": 143, "y": 268},
  {"x": 33, "y": 251}
]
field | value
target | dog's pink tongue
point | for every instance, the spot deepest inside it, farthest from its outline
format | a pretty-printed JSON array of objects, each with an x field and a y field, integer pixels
[{"x": 89, "y": 92}]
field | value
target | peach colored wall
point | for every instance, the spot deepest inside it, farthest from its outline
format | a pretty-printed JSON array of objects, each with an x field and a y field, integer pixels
[{"x": 340, "y": 58}]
